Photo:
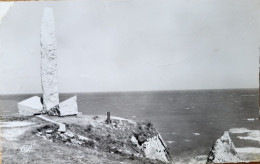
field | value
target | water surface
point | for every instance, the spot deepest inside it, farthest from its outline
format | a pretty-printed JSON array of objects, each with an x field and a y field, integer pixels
[{"x": 190, "y": 121}]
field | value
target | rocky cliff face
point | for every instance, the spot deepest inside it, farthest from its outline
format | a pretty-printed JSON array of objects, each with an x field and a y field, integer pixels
[
  {"x": 49, "y": 61},
  {"x": 154, "y": 148},
  {"x": 135, "y": 140},
  {"x": 223, "y": 151}
]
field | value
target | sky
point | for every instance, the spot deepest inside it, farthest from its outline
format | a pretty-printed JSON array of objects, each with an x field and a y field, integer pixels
[
  {"x": 4, "y": 8},
  {"x": 134, "y": 45}
]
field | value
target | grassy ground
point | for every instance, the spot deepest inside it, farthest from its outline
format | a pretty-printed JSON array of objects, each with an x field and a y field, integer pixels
[{"x": 23, "y": 145}]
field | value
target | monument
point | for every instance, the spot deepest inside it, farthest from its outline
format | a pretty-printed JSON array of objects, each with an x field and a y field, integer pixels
[
  {"x": 49, "y": 77},
  {"x": 49, "y": 73}
]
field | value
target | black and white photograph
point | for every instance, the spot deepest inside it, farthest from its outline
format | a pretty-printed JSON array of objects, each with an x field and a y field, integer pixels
[{"x": 129, "y": 82}]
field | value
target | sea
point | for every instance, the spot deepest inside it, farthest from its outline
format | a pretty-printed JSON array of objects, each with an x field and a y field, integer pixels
[{"x": 190, "y": 121}]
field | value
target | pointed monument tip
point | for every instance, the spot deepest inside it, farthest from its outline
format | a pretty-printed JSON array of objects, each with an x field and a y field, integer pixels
[{"x": 47, "y": 12}]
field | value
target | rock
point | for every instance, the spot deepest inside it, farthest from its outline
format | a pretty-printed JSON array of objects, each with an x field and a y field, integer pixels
[
  {"x": 223, "y": 151},
  {"x": 48, "y": 131},
  {"x": 134, "y": 140},
  {"x": 49, "y": 77},
  {"x": 69, "y": 107},
  {"x": 30, "y": 106},
  {"x": 69, "y": 134},
  {"x": 141, "y": 138},
  {"x": 62, "y": 127},
  {"x": 64, "y": 138},
  {"x": 82, "y": 138},
  {"x": 54, "y": 111},
  {"x": 155, "y": 149}
]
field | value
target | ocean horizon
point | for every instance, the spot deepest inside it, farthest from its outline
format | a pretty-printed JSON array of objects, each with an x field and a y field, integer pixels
[{"x": 189, "y": 121}]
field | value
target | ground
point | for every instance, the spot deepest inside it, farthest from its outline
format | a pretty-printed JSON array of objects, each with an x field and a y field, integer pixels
[{"x": 32, "y": 140}]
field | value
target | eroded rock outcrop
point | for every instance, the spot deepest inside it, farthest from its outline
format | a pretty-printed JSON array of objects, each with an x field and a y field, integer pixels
[
  {"x": 151, "y": 143},
  {"x": 49, "y": 77},
  {"x": 223, "y": 151},
  {"x": 155, "y": 149},
  {"x": 30, "y": 106}
]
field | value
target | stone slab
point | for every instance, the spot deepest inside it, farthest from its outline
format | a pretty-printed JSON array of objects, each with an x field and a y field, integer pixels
[
  {"x": 68, "y": 107},
  {"x": 30, "y": 106}
]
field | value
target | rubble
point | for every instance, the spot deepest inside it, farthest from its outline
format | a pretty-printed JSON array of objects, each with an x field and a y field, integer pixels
[{"x": 30, "y": 106}]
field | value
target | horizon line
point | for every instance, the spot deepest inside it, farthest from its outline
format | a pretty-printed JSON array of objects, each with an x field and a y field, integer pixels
[{"x": 177, "y": 90}]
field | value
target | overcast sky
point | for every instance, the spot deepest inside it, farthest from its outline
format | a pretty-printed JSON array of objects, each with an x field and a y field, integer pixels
[{"x": 133, "y": 45}]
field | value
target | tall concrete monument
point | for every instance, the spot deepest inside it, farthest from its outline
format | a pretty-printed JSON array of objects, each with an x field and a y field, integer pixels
[{"x": 49, "y": 77}]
